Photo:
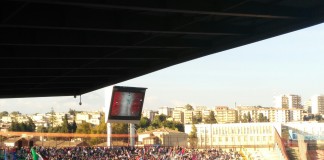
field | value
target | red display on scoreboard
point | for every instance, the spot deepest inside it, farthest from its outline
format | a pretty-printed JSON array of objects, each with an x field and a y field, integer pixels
[{"x": 126, "y": 103}]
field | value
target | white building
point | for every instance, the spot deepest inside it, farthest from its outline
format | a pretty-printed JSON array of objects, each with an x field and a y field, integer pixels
[
  {"x": 282, "y": 115},
  {"x": 163, "y": 137},
  {"x": 205, "y": 114},
  {"x": 6, "y": 119},
  {"x": 317, "y": 104},
  {"x": 38, "y": 117},
  {"x": 273, "y": 114},
  {"x": 166, "y": 111},
  {"x": 94, "y": 118},
  {"x": 149, "y": 114},
  {"x": 22, "y": 119},
  {"x": 187, "y": 116},
  {"x": 89, "y": 117},
  {"x": 295, "y": 115},
  {"x": 235, "y": 134},
  {"x": 82, "y": 117},
  {"x": 178, "y": 116},
  {"x": 308, "y": 106}
]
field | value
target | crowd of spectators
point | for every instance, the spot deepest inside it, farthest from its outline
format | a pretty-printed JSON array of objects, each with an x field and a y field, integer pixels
[{"x": 123, "y": 153}]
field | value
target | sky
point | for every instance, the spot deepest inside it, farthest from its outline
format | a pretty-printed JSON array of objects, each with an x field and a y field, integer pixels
[{"x": 248, "y": 75}]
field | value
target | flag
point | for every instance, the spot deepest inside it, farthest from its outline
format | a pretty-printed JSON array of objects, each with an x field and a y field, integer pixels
[
  {"x": 39, "y": 157},
  {"x": 5, "y": 155},
  {"x": 34, "y": 154}
]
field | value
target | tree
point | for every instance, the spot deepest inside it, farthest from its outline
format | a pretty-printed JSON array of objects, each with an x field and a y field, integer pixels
[
  {"x": 249, "y": 119},
  {"x": 188, "y": 107},
  {"x": 3, "y": 113},
  {"x": 161, "y": 117},
  {"x": 306, "y": 118},
  {"x": 52, "y": 118},
  {"x": 168, "y": 124},
  {"x": 84, "y": 127},
  {"x": 211, "y": 118},
  {"x": 119, "y": 128},
  {"x": 178, "y": 126},
  {"x": 99, "y": 129},
  {"x": 157, "y": 121},
  {"x": 72, "y": 112},
  {"x": 65, "y": 125},
  {"x": 318, "y": 117},
  {"x": 73, "y": 127},
  {"x": 245, "y": 119},
  {"x": 265, "y": 119},
  {"x": 197, "y": 118},
  {"x": 14, "y": 126},
  {"x": 15, "y": 113},
  {"x": 193, "y": 136},
  {"x": 31, "y": 125},
  {"x": 23, "y": 127},
  {"x": 262, "y": 118},
  {"x": 42, "y": 129},
  {"x": 56, "y": 129},
  {"x": 144, "y": 122}
]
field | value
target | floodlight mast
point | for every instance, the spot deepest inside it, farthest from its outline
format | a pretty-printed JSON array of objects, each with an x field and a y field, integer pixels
[
  {"x": 109, "y": 135},
  {"x": 132, "y": 134}
]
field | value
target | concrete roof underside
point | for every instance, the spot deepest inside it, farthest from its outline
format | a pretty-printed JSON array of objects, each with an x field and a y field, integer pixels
[{"x": 71, "y": 47}]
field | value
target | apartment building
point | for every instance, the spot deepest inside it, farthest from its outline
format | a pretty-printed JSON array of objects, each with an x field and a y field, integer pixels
[
  {"x": 188, "y": 115},
  {"x": 288, "y": 101},
  {"x": 38, "y": 117},
  {"x": 166, "y": 111},
  {"x": 150, "y": 114},
  {"x": 90, "y": 117},
  {"x": 205, "y": 114},
  {"x": 7, "y": 119},
  {"x": 178, "y": 116},
  {"x": 317, "y": 102},
  {"x": 225, "y": 115},
  {"x": 22, "y": 118},
  {"x": 308, "y": 106},
  {"x": 273, "y": 114},
  {"x": 295, "y": 115}
]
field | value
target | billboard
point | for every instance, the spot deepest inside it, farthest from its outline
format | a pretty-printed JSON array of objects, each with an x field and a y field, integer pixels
[{"x": 126, "y": 104}]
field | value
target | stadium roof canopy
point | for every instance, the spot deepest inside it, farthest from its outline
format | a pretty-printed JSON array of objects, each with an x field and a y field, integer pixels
[{"x": 71, "y": 47}]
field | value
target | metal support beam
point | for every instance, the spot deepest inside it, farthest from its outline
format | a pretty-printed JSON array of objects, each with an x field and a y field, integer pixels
[
  {"x": 94, "y": 46},
  {"x": 123, "y": 30},
  {"x": 165, "y": 10}
]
